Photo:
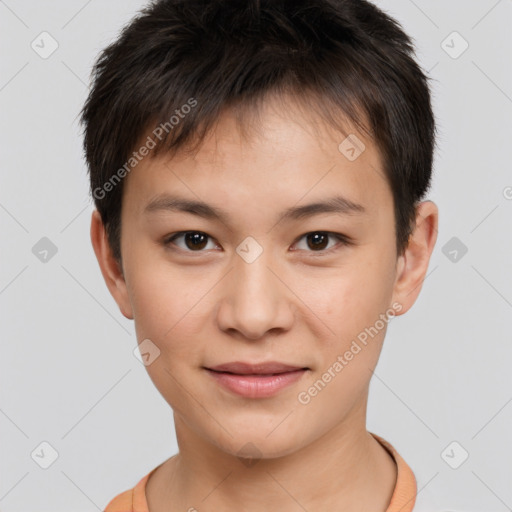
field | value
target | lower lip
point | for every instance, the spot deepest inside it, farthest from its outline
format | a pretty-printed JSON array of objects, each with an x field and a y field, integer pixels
[{"x": 256, "y": 386}]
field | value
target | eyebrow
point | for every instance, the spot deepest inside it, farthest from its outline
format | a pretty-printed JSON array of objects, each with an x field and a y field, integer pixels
[{"x": 337, "y": 204}]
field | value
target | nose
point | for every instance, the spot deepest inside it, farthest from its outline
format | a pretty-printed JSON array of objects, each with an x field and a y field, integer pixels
[{"x": 256, "y": 300}]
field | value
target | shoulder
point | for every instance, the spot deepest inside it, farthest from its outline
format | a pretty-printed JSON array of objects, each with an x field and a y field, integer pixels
[
  {"x": 410, "y": 495},
  {"x": 404, "y": 494},
  {"x": 121, "y": 503},
  {"x": 132, "y": 500}
]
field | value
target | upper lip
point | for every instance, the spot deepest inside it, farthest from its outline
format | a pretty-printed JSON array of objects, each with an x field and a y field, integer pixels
[{"x": 267, "y": 368}]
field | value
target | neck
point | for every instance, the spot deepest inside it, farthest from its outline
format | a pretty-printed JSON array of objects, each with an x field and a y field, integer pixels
[{"x": 346, "y": 469}]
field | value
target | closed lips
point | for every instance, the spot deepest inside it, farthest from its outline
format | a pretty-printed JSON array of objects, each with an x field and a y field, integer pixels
[{"x": 242, "y": 368}]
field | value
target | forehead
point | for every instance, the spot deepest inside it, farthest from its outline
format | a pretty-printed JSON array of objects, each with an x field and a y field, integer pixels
[{"x": 282, "y": 157}]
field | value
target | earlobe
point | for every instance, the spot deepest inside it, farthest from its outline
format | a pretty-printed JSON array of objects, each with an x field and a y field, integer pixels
[
  {"x": 413, "y": 265},
  {"x": 110, "y": 267}
]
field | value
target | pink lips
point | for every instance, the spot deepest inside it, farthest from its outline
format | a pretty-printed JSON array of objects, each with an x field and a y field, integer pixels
[{"x": 256, "y": 380}]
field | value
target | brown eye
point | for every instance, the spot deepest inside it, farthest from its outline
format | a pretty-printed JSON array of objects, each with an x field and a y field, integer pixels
[
  {"x": 194, "y": 241},
  {"x": 318, "y": 241}
]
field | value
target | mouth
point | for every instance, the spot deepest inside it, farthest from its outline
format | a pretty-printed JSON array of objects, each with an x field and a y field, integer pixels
[
  {"x": 269, "y": 368},
  {"x": 256, "y": 380}
]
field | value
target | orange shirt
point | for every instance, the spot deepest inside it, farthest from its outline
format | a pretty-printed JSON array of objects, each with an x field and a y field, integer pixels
[{"x": 403, "y": 499}]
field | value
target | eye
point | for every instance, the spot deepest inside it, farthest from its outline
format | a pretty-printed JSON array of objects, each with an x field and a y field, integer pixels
[
  {"x": 315, "y": 241},
  {"x": 318, "y": 241},
  {"x": 194, "y": 241}
]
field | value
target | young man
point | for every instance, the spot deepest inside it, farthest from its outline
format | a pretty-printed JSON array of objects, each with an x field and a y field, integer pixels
[{"x": 257, "y": 169}]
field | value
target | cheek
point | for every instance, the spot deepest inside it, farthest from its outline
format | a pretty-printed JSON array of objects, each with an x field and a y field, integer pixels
[
  {"x": 160, "y": 295},
  {"x": 346, "y": 299},
  {"x": 347, "y": 358},
  {"x": 167, "y": 317},
  {"x": 171, "y": 309},
  {"x": 350, "y": 302}
]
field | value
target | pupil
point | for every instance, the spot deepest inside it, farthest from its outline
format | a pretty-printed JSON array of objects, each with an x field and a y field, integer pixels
[
  {"x": 319, "y": 240},
  {"x": 197, "y": 240}
]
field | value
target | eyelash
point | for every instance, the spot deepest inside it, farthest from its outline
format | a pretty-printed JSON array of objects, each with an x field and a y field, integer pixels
[{"x": 342, "y": 239}]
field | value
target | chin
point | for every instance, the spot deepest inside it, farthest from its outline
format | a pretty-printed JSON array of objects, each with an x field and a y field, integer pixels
[{"x": 255, "y": 444}]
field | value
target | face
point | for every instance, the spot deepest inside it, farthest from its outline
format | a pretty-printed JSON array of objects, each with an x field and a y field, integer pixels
[{"x": 258, "y": 274}]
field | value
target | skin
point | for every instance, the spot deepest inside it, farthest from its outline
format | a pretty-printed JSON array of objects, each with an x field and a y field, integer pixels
[{"x": 295, "y": 304}]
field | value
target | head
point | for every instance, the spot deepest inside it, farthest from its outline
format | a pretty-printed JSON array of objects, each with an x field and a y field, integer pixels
[{"x": 258, "y": 172}]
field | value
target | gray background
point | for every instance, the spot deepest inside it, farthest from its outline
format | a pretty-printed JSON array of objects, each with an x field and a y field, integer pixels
[{"x": 68, "y": 373}]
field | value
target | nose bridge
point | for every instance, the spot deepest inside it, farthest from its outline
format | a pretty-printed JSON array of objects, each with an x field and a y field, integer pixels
[{"x": 255, "y": 300}]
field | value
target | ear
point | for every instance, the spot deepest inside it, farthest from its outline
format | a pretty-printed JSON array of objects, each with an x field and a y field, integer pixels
[
  {"x": 412, "y": 266},
  {"x": 110, "y": 267}
]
